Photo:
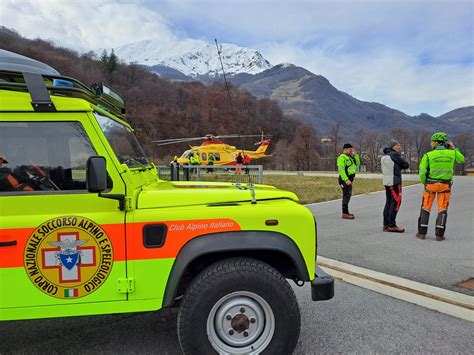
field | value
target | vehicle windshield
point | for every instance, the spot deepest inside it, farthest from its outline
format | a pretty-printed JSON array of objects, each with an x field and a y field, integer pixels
[{"x": 123, "y": 142}]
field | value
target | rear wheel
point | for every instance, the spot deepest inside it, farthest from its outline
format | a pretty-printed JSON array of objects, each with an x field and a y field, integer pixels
[{"x": 239, "y": 306}]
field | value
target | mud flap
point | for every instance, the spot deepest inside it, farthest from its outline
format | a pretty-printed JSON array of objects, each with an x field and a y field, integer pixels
[{"x": 322, "y": 287}]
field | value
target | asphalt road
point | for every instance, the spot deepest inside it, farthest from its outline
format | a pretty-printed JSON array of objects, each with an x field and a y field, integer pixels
[
  {"x": 361, "y": 241},
  {"x": 355, "y": 321}
]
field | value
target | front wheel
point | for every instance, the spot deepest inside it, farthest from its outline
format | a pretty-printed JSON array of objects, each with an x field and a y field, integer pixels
[{"x": 239, "y": 306}]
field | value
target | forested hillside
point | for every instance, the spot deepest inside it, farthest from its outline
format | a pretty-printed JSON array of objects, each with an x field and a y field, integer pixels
[{"x": 160, "y": 108}]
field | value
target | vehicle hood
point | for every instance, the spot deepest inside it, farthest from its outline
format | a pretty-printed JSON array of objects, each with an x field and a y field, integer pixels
[{"x": 173, "y": 194}]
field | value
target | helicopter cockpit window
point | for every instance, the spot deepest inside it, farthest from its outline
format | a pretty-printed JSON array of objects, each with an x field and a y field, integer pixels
[
  {"x": 217, "y": 156},
  {"x": 186, "y": 154}
]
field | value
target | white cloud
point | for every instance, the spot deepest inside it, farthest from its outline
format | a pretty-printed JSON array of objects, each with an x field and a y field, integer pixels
[
  {"x": 433, "y": 26},
  {"x": 84, "y": 24},
  {"x": 388, "y": 77}
]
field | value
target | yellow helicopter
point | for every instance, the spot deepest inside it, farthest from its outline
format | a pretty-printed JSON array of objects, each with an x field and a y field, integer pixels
[{"x": 224, "y": 154}]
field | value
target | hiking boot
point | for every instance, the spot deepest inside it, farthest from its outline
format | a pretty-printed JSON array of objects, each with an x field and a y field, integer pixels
[
  {"x": 420, "y": 236},
  {"x": 439, "y": 238},
  {"x": 395, "y": 229},
  {"x": 347, "y": 216}
]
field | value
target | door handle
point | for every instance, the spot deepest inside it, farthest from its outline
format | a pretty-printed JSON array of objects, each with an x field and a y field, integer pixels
[{"x": 9, "y": 243}]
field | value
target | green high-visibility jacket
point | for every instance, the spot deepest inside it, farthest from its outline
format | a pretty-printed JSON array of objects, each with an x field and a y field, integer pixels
[
  {"x": 438, "y": 164},
  {"x": 194, "y": 160},
  {"x": 347, "y": 166}
]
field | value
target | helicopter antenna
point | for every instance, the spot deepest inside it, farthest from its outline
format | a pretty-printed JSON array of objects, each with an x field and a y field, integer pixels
[{"x": 223, "y": 71}]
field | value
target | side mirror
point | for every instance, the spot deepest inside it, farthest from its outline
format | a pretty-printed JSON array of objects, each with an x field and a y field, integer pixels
[{"x": 96, "y": 174}]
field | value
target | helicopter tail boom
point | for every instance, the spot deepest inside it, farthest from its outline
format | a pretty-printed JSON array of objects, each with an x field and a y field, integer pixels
[{"x": 263, "y": 147}]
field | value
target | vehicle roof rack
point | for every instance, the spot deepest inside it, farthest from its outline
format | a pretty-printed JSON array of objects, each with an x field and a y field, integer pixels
[{"x": 19, "y": 73}]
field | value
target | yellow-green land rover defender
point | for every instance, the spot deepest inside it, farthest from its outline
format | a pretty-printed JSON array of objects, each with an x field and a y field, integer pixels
[{"x": 87, "y": 227}]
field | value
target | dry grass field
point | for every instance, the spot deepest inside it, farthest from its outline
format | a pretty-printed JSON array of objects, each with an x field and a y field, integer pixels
[
  {"x": 309, "y": 189},
  {"x": 317, "y": 188}
]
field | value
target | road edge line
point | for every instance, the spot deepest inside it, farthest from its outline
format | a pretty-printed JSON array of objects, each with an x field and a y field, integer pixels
[{"x": 445, "y": 301}]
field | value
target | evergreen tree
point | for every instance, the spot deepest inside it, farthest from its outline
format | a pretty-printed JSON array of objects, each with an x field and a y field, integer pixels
[
  {"x": 104, "y": 58},
  {"x": 112, "y": 63}
]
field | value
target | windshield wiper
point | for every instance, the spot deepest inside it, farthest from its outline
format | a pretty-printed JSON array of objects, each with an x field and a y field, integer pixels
[
  {"x": 143, "y": 160},
  {"x": 133, "y": 162}
]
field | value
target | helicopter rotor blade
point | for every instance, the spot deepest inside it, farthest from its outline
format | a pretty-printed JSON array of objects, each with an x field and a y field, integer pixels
[
  {"x": 177, "y": 140},
  {"x": 207, "y": 137},
  {"x": 239, "y": 136}
]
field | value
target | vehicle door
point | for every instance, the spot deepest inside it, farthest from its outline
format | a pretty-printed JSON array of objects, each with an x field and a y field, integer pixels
[{"x": 59, "y": 244}]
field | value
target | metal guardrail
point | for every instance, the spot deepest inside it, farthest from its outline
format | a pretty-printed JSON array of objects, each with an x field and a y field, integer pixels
[{"x": 223, "y": 173}]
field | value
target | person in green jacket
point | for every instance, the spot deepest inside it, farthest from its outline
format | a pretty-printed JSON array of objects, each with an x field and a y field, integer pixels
[
  {"x": 347, "y": 164},
  {"x": 436, "y": 173},
  {"x": 210, "y": 162},
  {"x": 194, "y": 160}
]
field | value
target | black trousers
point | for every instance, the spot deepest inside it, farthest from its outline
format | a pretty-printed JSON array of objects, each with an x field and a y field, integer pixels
[
  {"x": 393, "y": 199},
  {"x": 346, "y": 194},
  {"x": 210, "y": 169}
]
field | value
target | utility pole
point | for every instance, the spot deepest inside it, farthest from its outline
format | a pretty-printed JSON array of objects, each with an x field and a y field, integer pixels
[{"x": 223, "y": 71}]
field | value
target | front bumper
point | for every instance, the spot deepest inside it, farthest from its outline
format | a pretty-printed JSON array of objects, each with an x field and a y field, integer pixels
[{"x": 322, "y": 287}]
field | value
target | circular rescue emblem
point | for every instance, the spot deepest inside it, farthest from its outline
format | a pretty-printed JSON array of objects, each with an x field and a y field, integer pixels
[{"x": 68, "y": 257}]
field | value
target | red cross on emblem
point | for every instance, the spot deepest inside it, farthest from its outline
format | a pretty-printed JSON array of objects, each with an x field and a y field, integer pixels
[{"x": 68, "y": 257}]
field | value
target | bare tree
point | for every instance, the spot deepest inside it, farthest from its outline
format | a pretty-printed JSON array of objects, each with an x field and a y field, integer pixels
[
  {"x": 304, "y": 148},
  {"x": 282, "y": 157},
  {"x": 465, "y": 142},
  {"x": 373, "y": 142},
  {"x": 421, "y": 140},
  {"x": 360, "y": 145},
  {"x": 335, "y": 140}
]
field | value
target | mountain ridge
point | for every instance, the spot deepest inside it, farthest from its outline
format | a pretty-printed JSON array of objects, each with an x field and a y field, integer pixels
[
  {"x": 193, "y": 58},
  {"x": 309, "y": 97},
  {"x": 313, "y": 99}
]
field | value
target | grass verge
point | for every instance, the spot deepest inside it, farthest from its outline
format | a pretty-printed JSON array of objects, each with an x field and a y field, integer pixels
[{"x": 312, "y": 189}]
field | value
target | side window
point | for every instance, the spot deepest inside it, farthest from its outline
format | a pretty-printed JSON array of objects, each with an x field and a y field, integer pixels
[
  {"x": 43, "y": 156},
  {"x": 204, "y": 156},
  {"x": 217, "y": 156}
]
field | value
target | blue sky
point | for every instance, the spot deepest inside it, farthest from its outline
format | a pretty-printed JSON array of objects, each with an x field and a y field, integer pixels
[{"x": 416, "y": 56}]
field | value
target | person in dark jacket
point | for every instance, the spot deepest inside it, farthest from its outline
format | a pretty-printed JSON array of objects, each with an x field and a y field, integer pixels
[
  {"x": 392, "y": 164},
  {"x": 239, "y": 161}
]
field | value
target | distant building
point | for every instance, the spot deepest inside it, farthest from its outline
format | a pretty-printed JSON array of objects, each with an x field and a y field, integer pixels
[{"x": 469, "y": 171}]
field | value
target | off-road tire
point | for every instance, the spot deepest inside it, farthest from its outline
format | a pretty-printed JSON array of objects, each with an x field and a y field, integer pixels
[{"x": 238, "y": 275}]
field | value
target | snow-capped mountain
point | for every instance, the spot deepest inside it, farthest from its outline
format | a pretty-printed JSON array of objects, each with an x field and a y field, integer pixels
[
  {"x": 235, "y": 59},
  {"x": 193, "y": 58}
]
